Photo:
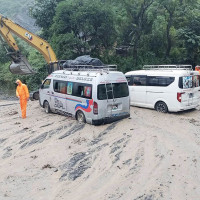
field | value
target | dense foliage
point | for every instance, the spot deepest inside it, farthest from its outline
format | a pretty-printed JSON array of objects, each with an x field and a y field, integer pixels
[{"x": 129, "y": 33}]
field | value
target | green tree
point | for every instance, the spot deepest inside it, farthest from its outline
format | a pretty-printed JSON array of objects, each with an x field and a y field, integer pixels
[
  {"x": 91, "y": 22},
  {"x": 138, "y": 24},
  {"x": 43, "y": 12},
  {"x": 190, "y": 36}
]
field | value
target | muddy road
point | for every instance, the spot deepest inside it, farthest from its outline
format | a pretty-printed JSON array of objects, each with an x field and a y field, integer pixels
[{"x": 149, "y": 156}]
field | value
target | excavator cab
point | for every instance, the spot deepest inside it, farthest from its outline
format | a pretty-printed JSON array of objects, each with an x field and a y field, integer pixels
[{"x": 19, "y": 64}]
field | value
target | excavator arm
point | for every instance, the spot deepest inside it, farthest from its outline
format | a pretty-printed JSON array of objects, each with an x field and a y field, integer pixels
[{"x": 20, "y": 64}]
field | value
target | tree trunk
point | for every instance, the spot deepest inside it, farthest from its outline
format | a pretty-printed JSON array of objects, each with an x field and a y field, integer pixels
[
  {"x": 135, "y": 50},
  {"x": 169, "y": 42}
]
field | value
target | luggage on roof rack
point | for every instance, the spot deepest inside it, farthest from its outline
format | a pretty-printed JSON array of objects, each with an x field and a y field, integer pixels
[
  {"x": 180, "y": 67},
  {"x": 83, "y": 60},
  {"x": 87, "y": 63}
]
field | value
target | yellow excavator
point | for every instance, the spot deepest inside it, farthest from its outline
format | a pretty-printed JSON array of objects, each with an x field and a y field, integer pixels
[{"x": 19, "y": 64}]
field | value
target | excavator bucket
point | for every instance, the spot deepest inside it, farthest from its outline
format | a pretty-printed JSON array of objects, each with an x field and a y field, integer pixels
[{"x": 21, "y": 67}]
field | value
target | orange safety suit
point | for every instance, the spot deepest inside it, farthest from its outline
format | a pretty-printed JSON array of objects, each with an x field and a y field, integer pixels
[
  {"x": 197, "y": 68},
  {"x": 23, "y": 95}
]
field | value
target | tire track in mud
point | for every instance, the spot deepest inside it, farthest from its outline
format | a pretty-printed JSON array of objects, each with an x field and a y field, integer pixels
[
  {"x": 103, "y": 133},
  {"x": 117, "y": 149},
  {"x": 73, "y": 130},
  {"x": 45, "y": 136},
  {"x": 78, "y": 164},
  {"x": 2, "y": 140},
  {"x": 82, "y": 161},
  {"x": 8, "y": 153},
  {"x": 146, "y": 197},
  {"x": 27, "y": 142}
]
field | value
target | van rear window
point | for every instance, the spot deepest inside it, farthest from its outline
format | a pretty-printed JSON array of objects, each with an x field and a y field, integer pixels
[
  {"x": 110, "y": 91},
  {"x": 186, "y": 82}
]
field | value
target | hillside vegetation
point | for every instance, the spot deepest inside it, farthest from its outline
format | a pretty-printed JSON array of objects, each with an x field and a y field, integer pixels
[
  {"x": 18, "y": 11},
  {"x": 129, "y": 33}
]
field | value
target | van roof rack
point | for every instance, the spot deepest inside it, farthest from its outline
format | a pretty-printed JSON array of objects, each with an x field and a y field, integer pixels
[
  {"x": 91, "y": 68},
  {"x": 180, "y": 67}
]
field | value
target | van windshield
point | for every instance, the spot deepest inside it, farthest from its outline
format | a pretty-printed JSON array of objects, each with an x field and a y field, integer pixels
[
  {"x": 186, "y": 82},
  {"x": 114, "y": 90}
]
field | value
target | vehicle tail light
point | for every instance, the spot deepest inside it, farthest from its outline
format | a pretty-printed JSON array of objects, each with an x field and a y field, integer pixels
[
  {"x": 95, "y": 108},
  {"x": 179, "y": 96}
]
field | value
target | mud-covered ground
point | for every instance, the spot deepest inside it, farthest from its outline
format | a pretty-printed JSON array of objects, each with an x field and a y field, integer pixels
[{"x": 149, "y": 156}]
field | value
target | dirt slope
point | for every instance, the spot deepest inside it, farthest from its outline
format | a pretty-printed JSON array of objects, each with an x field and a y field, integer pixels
[{"x": 149, "y": 156}]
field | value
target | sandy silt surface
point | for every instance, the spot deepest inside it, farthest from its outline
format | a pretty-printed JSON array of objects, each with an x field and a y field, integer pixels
[{"x": 149, "y": 156}]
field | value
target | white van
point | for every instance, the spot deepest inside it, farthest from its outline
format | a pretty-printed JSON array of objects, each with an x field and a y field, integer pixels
[
  {"x": 95, "y": 97},
  {"x": 166, "y": 88}
]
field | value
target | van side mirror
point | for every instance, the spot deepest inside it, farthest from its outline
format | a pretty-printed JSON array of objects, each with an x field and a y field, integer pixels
[{"x": 42, "y": 86}]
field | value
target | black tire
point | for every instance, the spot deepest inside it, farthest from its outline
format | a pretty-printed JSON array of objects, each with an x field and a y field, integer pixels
[
  {"x": 47, "y": 107},
  {"x": 80, "y": 117},
  {"x": 161, "y": 107},
  {"x": 36, "y": 95}
]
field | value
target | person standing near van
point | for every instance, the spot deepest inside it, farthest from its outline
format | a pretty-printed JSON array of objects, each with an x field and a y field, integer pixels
[{"x": 23, "y": 94}]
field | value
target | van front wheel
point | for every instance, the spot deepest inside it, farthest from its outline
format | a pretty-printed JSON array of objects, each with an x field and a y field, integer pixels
[
  {"x": 80, "y": 117},
  {"x": 47, "y": 107},
  {"x": 161, "y": 107}
]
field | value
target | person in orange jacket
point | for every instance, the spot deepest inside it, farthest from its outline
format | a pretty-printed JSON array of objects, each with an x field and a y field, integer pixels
[
  {"x": 197, "y": 68},
  {"x": 23, "y": 95}
]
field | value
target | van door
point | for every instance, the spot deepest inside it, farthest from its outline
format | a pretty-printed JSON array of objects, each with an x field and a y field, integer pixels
[
  {"x": 113, "y": 99},
  {"x": 191, "y": 90},
  {"x": 196, "y": 91},
  {"x": 158, "y": 87},
  {"x": 186, "y": 94},
  {"x": 137, "y": 88},
  {"x": 112, "y": 104},
  {"x": 58, "y": 93},
  {"x": 44, "y": 92},
  {"x": 79, "y": 97}
]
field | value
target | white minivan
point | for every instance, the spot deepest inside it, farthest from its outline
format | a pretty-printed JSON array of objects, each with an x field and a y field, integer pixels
[
  {"x": 166, "y": 88},
  {"x": 96, "y": 96}
]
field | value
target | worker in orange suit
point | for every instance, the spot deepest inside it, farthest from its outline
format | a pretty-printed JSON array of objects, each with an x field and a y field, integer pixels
[
  {"x": 197, "y": 68},
  {"x": 23, "y": 95}
]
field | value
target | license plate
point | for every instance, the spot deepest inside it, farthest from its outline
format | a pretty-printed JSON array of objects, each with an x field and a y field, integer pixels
[{"x": 114, "y": 107}]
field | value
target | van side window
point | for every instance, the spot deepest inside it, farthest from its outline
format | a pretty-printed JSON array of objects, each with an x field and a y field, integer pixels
[
  {"x": 139, "y": 80},
  {"x": 82, "y": 90},
  {"x": 161, "y": 81},
  {"x": 69, "y": 88},
  {"x": 129, "y": 80},
  {"x": 60, "y": 86},
  {"x": 46, "y": 83}
]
